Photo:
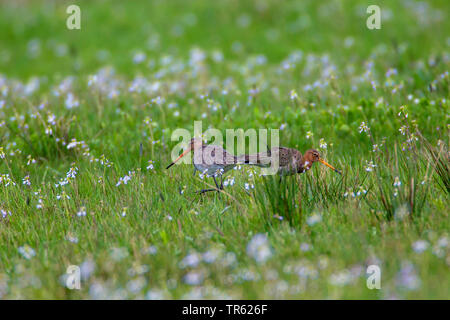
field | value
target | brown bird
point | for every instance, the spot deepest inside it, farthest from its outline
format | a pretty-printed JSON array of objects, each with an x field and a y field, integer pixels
[
  {"x": 291, "y": 161},
  {"x": 210, "y": 160}
]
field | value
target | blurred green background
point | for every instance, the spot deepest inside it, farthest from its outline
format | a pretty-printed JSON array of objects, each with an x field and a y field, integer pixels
[{"x": 34, "y": 39}]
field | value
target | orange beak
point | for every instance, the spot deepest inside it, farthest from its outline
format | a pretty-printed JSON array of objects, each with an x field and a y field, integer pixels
[
  {"x": 181, "y": 156},
  {"x": 329, "y": 166}
]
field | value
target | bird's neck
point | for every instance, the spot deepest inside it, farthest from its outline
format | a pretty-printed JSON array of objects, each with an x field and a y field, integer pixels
[{"x": 306, "y": 163}]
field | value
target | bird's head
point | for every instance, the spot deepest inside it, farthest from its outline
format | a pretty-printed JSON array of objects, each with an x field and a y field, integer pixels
[
  {"x": 312, "y": 156},
  {"x": 193, "y": 145}
]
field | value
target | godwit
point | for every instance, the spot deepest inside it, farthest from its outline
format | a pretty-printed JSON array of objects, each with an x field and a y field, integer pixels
[
  {"x": 210, "y": 160},
  {"x": 291, "y": 161}
]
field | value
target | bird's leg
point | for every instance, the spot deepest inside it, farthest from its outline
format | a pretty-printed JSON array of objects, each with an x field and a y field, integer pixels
[
  {"x": 195, "y": 170},
  {"x": 206, "y": 190},
  {"x": 221, "y": 182},
  {"x": 215, "y": 181}
]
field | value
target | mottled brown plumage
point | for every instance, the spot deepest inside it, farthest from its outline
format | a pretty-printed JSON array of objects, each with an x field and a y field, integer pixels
[{"x": 291, "y": 161}]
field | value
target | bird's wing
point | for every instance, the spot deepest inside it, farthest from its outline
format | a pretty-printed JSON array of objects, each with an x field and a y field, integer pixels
[
  {"x": 228, "y": 158},
  {"x": 285, "y": 155},
  {"x": 213, "y": 154}
]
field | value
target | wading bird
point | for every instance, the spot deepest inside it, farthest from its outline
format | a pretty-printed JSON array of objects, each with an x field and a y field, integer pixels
[
  {"x": 291, "y": 161},
  {"x": 210, "y": 160}
]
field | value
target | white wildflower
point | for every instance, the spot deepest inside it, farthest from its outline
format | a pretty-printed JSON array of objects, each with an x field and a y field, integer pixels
[
  {"x": 27, "y": 252},
  {"x": 370, "y": 166},
  {"x": 259, "y": 248},
  {"x": 193, "y": 278},
  {"x": 314, "y": 219},
  {"x": 363, "y": 127},
  {"x": 150, "y": 165},
  {"x": 26, "y": 181},
  {"x": 4, "y": 213},
  {"x": 420, "y": 246},
  {"x": 82, "y": 212},
  {"x": 191, "y": 261}
]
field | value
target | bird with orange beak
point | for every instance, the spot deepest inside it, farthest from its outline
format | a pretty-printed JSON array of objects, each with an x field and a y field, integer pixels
[{"x": 291, "y": 161}]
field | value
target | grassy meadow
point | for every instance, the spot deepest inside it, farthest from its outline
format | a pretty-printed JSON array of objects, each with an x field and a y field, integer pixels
[{"x": 86, "y": 118}]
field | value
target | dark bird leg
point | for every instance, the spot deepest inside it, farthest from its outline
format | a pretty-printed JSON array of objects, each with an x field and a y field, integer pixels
[
  {"x": 195, "y": 170},
  {"x": 208, "y": 190},
  {"x": 215, "y": 181},
  {"x": 221, "y": 182},
  {"x": 205, "y": 190}
]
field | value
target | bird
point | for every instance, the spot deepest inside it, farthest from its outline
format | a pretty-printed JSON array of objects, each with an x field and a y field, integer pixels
[
  {"x": 211, "y": 160},
  {"x": 290, "y": 161}
]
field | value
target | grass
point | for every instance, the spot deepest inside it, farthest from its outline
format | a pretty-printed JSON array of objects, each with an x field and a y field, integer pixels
[{"x": 85, "y": 136}]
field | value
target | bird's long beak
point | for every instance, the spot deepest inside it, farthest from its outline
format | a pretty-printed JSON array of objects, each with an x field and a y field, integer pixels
[
  {"x": 329, "y": 166},
  {"x": 181, "y": 156}
]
